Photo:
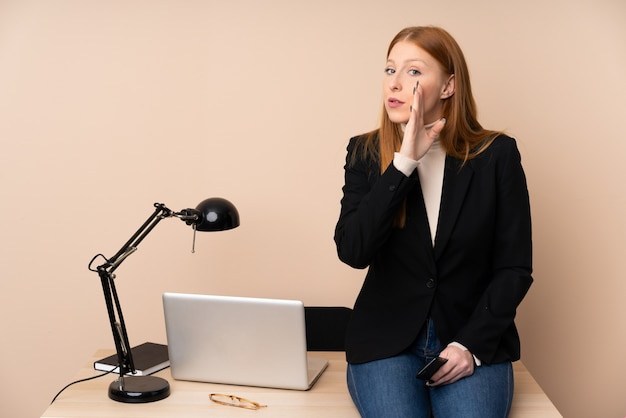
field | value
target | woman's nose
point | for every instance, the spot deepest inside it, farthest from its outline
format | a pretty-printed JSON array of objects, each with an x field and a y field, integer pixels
[{"x": 394, "y": 83}]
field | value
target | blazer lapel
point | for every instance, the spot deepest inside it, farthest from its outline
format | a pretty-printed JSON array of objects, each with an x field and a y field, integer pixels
[{"x": 456, "y": 181}]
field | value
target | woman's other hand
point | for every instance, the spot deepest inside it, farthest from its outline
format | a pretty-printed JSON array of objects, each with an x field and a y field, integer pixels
[{"x": 460, "y": 364}]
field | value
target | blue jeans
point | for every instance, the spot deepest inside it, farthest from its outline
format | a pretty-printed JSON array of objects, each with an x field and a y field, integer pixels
[{"x": 389, "y": 388}]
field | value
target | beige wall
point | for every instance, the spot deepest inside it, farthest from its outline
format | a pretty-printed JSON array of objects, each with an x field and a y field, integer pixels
[{"x": 109, "y": 106}]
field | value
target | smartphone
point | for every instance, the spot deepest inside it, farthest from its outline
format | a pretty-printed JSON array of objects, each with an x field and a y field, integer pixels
[{"x": 431, "y": 368}]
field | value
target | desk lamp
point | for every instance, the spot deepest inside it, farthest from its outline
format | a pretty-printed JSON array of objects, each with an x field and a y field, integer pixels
[{"x": 213, "y": 214}]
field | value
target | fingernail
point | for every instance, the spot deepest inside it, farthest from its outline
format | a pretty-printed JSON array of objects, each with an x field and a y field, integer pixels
[{"x": 443, "y": 120}]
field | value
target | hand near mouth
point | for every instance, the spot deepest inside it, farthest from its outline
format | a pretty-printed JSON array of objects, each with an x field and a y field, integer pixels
[{"x": 418, "y": 138}]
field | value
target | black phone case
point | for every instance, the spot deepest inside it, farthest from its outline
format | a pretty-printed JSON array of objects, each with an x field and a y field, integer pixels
[{"x": 431, "y": 368}]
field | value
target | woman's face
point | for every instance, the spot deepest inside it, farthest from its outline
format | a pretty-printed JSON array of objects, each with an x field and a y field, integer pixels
[{"x": 406, "y": 65}]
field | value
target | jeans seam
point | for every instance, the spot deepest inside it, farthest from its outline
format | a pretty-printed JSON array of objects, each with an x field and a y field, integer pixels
[
  {"x": 511, "y": 387},
  {"x": 356, "y": 399}
]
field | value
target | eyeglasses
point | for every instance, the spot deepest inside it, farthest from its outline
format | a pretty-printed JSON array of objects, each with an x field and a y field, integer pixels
[{"x": 231, "y": 400}]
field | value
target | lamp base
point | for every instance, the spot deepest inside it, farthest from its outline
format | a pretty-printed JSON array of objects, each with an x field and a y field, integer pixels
[{"x": 139, "y": 389}]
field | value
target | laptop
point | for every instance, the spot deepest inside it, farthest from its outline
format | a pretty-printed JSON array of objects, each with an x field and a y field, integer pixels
[{"x": 239, "y": 341}]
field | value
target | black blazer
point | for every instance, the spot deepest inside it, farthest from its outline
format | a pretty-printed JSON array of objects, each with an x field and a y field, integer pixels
[{"x": 470, "y": 283}]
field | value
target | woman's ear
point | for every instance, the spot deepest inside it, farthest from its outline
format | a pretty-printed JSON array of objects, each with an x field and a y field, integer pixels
[{"x": 448, "y": 88}]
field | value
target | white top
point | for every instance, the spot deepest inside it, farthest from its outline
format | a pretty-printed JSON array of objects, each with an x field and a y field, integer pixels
[{"x": 430, "y": 170}]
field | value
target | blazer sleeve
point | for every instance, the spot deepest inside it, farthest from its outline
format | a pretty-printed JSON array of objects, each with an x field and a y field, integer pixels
[
  {"x": 491, "y": 330},
  {"x": 369, "y": 204}
]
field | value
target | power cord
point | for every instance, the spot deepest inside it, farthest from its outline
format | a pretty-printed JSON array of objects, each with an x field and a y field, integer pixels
[{"x": 80, "y": 381}]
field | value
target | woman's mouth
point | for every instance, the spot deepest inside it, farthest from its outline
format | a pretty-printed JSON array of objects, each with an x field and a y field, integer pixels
[{"x": 394, "y": 103}]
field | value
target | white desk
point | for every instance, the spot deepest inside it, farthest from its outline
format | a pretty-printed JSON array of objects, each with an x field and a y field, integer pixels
[{"x": 327, "y": 399}]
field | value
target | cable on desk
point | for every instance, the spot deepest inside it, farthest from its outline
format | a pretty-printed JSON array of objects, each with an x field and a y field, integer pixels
[{"x": 80, "y": 381}]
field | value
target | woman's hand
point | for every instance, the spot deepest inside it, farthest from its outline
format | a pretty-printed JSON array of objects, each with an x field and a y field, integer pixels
[
  {"x": 417, "y": 139},
  {"x": 460, "y": 364}
]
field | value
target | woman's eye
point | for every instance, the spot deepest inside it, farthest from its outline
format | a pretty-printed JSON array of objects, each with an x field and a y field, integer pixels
[
  {"x": 389, "y": 70},
  {"x": 414, "y": 72}
]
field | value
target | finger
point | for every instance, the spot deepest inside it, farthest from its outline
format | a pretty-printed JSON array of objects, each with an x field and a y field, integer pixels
[
  {"x": 417, "y": 99},
  {"x": 445, "y": 377},
  {"x": 414, "y": 106},
  {"x": 442, "y": 375}
]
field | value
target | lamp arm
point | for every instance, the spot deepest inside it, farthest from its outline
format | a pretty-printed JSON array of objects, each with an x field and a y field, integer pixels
[
  {"x": 114, "y": 309},
  {"x": 116, "y": 320},
  {"x": 130, "y": 246}
]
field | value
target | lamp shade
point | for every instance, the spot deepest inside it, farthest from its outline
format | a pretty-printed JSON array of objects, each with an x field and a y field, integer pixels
[{"x": 216, "y": 214}]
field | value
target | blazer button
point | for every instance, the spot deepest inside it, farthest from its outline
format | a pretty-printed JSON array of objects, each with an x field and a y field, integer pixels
[
  {"x": 430, "y": 283},
  {"x": 392, "y": 188}
]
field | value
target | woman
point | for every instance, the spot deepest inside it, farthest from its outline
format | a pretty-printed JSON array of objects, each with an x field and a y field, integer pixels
[{"x": 437, "y": 208}]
